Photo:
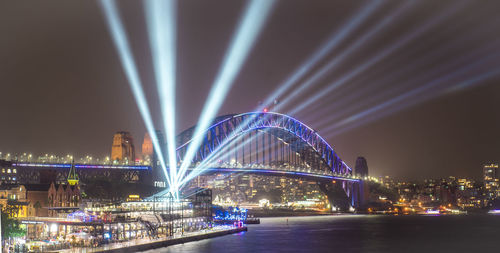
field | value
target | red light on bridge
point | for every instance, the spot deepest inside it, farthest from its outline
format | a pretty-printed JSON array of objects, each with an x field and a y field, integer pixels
[{"x": 265, "y": 110}]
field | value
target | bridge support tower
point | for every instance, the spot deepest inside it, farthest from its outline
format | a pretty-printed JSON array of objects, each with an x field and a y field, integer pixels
[{"x": 344, "y": 194}]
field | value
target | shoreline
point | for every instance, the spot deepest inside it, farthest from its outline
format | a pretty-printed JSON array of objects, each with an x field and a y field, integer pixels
[
  {"x": 144, "y": 245},
  {"x": 174, "y": 241},
  {"x": 264, "y": 214}
]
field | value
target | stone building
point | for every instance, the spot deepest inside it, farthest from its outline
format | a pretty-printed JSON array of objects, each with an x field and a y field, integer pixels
[
  {"x": 25, "y": 200},
  {"x": 147, "y": 148},
  {"x": 63, "y": 195},
  {"x": 123, "y": 150}
]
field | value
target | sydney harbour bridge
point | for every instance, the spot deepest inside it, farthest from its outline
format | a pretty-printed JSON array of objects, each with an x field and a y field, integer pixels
[{"x": 264, "y": 143}]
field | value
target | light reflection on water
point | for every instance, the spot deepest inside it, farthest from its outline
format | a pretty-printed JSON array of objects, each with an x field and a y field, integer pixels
[{"x": 358, "y": 233}]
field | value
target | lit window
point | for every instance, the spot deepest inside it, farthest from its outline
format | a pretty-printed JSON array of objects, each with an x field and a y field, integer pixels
[
  {"x": 14, "y": 170},
  {"x": 3, "y": 170},
  {"x": 9, "y": 171}
]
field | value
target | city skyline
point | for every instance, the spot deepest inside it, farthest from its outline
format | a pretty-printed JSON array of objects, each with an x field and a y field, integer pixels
[
  {"x": 249, "y": 126},
  {"x": 69, "y": 94}
]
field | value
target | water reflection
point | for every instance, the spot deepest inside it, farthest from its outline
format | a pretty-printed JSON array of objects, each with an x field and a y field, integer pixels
[{"x": 357, "y": 233}]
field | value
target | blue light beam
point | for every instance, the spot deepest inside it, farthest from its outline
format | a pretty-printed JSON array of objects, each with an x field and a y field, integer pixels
[
  {"x": 389, "y": 107},
  {"x": 161, "y": 23},
  {"x": 256, "y": 14},
  {"x": 377, "y": 58},
  {"x": 204, "y": 165},
  {"x": 338, "y": 60},
  {"x": 120, "y": 40},
  {"x": 331, "y": 43},
  {"x": 350, "y": 107},
  {"x": 223, "y": 146}
]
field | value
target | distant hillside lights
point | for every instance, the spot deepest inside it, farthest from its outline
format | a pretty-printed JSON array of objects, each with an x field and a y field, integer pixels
[{"x": 491, "y": 177}]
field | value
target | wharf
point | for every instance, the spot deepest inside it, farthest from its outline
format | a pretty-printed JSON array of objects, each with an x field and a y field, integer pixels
[{"x": 147, "y": 244}]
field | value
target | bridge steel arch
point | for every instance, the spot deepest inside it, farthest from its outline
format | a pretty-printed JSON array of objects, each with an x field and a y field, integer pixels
[{"x": 227, "y": 128}]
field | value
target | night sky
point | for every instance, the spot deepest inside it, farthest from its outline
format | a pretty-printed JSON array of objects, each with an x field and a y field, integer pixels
[{"x": 63, "y": 90}]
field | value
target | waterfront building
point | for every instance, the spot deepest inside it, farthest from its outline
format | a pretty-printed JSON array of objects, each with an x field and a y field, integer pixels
[
  {"x": 491, "y": 180},
  {"x": 24, "y": 200},
  {"x": 13, "y": 200},
  {"x": 123, "y": 150},
  {"x": 468, "y": 194},
  {"x": 463, "y": 193},
  {"x": 63, "y": 198},
  {"x": 158, "y": 217},
  {"x": 37, "y": 197}
]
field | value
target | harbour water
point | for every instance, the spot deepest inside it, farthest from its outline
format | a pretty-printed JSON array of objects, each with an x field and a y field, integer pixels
[{"x": 358, "y": 233}]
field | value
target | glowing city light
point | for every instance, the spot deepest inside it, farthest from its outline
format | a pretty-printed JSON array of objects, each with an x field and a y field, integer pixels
[
  {"x": 120, "y": 40},
  {"x": 251, "y": 24},
  {"x": 161, "y": 21},
  {"x": 81, "y": 166}
]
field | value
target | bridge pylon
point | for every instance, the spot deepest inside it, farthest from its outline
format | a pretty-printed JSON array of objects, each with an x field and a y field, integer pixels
[{"x": 344, "y": 194}]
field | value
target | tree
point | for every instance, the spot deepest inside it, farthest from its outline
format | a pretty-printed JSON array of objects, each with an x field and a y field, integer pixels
[
  {"x": 11, "y": 227},
  {"x": 37, "y": 206},
  {"x": 379, "y": 189}
]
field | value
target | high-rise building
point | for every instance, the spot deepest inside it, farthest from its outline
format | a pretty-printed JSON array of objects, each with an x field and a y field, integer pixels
[
  {"x": 491, "y": 180},
  {"x": 123, "y": 148},
  {"x": 147, "y": 148},
  {"x": 361, "y": 168}
]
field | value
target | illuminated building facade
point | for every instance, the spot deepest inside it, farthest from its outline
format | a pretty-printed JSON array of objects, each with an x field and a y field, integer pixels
[
  {"x": 13, "y": 200},
  {"x": 24, "y": 200},
  {"x": 491, "y": 180},
  {"x": 248, "y": 190},
  {"x": 123, "y": 148},
  {"x": 8, "y": 175},
  {"x": 147, "y": 148},
  {"x": 63, "y": 196}
]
